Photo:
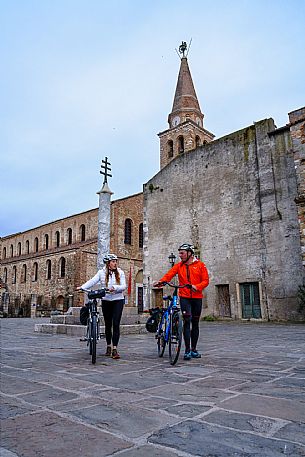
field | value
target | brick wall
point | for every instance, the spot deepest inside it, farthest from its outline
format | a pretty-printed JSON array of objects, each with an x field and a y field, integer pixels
[
  {"x": 20, "y": 251},
  {"x": 193, "y": 135},
  {"x": 297, "y": 129}
]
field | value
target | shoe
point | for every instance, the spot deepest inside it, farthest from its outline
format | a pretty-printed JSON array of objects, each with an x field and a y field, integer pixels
[
  {"x": 115, "y": 354},
  {"x": 108, "y": 351},
  {"x": 187, "y": 356},
  {"x": 195, "y": 354}
]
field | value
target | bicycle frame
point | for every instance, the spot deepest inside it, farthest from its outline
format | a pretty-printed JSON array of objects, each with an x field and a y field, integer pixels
[
  {"x": 170, "y": 326},
  {"x": 173, "y": 305},
  {"x": 93, "y": 323}
]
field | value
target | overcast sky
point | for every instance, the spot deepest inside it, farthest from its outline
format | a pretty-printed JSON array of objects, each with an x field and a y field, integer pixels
[{"x": 81, "y": 80}]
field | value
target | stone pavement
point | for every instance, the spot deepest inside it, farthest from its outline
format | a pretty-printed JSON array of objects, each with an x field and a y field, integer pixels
[{"x": 245, "y": 396}]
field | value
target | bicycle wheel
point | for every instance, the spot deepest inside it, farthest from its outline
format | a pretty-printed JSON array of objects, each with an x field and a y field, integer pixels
[
  {"x": 161, "y": 338},
  {"x": 175, "y": 338},
  {"x": 88, "y": 337},
  {"x": 93, "y": 338}
]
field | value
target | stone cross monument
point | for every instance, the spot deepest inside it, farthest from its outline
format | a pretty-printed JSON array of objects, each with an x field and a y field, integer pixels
[{"x": 103, "y": 234}]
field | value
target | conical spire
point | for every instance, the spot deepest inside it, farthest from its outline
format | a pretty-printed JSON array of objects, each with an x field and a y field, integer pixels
[
  {"x": 186, "y": 105},
  {"x": 186, "y": 131}
]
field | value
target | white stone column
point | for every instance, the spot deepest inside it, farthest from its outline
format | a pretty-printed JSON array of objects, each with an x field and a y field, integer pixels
[
  {"x": 6, "y": 301},
  {"x": 103, "y": 234}
]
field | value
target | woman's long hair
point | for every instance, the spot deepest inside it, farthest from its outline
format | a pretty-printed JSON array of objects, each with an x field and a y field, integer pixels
[{"x": 116, "y": 273}]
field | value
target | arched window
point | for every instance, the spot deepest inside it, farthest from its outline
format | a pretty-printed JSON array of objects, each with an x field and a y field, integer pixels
[
  {"x": 57, "y": 239},
  {"x": 49, "y": 270},
  {"x": 82, "y": 232},
  {"x": 127, "y": 232},
  {"x": 12, "y": 250},
  {"x": 180, "y": 144},
  {"x": 35, "y": 271},
  {"x": 14, "y": 277},
  {"x": 46, "y": 241},
  {"x": 23, "y": 273},
  {"x": 19, "y": 248},
  {"x": 197, "y": 141},
  {"x": 69, "y": 236},
  {"x": 140, "y": 235},
  {"x": 62, "y": 267},
  {"x": 36, "y": 244},
  {"x": 4, "y": 253},
  {"x": 170, "y": 149},
  {"x": 27, "y": 247},
  {"x": 5, "y": 275}
]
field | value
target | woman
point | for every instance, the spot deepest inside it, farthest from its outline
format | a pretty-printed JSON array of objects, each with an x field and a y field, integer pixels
[{"x": 113, "y": 278}]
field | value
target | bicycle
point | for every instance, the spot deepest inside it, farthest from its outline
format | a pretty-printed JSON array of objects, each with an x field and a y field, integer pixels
[
  {"x": 170, "y": 326},
  {"x": 93, "y": 320}
]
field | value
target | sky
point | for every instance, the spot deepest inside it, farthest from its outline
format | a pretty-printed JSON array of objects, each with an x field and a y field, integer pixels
[{"x": 86, "y": 79}]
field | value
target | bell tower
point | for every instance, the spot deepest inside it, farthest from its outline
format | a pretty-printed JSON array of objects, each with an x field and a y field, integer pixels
[{"x": 185, "y": 131}]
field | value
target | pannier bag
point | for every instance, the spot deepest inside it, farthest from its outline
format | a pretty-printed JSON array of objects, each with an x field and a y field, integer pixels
[
  {"x": 153, "y": 320},
  {"x": 83, "y": 315}
]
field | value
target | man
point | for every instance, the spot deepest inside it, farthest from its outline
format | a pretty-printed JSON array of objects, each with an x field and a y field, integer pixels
[{"x": 193, "y": 272}]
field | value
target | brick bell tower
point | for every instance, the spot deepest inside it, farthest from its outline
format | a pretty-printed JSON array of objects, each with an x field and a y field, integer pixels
[{"x": 185, "y": 131}]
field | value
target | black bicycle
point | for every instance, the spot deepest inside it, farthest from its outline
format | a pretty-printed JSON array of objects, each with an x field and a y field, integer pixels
[
  {"x": 93, "y": 320},
  {"x": 170, "y": 326}
]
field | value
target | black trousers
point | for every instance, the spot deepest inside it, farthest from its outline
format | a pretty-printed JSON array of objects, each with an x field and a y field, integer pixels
[
  {"x": 112, "y": 312},
  {"x": 191, "y": 310}
]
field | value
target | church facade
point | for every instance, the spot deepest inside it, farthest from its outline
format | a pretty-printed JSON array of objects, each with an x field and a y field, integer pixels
[
  {"x": 41, "y": 267},
  {"x": 239, "y": 200}
]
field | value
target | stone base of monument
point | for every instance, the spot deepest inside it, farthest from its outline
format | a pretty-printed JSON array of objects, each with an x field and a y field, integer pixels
[{"x": 69, "y": 323}]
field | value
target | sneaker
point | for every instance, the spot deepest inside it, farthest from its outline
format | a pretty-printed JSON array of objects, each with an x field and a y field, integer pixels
[
  {"x": 195, "y": 354},
  {"x": 115, "y": 354},
  {"x": 187, "y": 356},
  {"x": 108, "y": 351}
]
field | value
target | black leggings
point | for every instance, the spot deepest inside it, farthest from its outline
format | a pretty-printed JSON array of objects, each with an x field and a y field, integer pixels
[
  {"x": 191, "y": 310},
  {"x": 112, "y": 312}
]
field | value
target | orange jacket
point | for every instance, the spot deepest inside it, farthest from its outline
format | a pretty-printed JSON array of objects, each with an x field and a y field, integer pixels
[{"x": 196, "y": 274}]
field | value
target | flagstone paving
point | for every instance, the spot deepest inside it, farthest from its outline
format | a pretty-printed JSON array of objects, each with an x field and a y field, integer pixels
[{"x": 245, "y": 397}]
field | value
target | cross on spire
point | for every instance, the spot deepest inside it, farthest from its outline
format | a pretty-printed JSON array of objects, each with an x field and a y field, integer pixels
[{"x": 105, "y": 168}]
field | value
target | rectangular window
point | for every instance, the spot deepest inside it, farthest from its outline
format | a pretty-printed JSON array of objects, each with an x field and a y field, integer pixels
[{"x": 139, "y": 298}]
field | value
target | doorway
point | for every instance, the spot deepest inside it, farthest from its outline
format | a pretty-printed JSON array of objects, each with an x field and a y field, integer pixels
[
  {"x": 250, "y": 301},
  {"x": 223, "y": 300}
]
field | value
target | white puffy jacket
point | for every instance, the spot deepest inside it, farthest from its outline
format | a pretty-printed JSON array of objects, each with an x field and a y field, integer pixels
[{"x": 100, "y": 277}]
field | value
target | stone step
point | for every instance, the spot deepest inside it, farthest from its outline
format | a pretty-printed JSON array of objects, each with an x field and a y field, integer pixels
[
  {"x": 130, "y": 317},
  {"x": 80, "y": 330}
]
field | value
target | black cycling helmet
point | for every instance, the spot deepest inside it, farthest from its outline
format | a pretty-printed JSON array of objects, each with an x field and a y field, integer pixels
[
  {"x": 187, "y": 247},
  {"x": 109, "y": 257}
]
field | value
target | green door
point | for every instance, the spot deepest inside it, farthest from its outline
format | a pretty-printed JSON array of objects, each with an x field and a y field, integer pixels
[{"x": 251, "y": 307}]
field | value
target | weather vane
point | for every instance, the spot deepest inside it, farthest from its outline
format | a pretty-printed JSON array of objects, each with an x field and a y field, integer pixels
[
  {"x": 105, "y": 168},
  {"x": 183, "y": 48}
]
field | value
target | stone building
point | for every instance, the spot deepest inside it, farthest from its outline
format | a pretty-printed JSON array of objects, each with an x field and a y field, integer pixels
[
  {"x": 41, "y": 267},
  {"x": 240, "y": 200}
]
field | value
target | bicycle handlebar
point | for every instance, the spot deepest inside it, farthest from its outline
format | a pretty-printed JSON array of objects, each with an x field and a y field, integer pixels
[
  {"x": 189, "y": 286},
  {"x": 98, "y": 293}
]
